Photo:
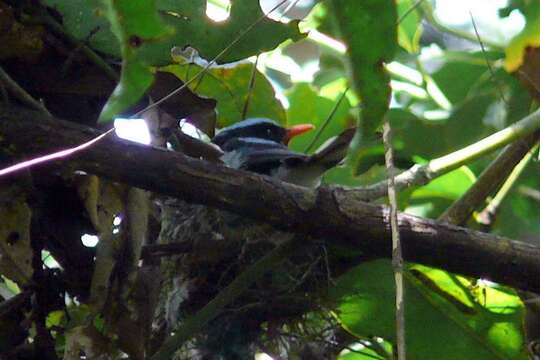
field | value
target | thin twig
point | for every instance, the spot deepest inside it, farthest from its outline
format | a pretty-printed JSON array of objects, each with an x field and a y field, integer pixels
[
  {"x": 250, "y": 87},
  {"x": 487, "y": 215},
  {"x": 327, "y": 121},
  {"x": 488, "y": 63},
  {"x": 409, "y": 11},
  {"x": 397, "y": 256},
  {"x": 21, "y": 94}
]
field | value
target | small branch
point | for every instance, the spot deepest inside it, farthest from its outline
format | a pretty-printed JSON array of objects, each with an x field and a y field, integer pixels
[
  {"x": 487, "y": 215},
  {"x": 490, "y": 180},
  {"x": 397, "y": 255},
  {"x": 21, "y": 94},
  {"x": 423, "y": 174}
]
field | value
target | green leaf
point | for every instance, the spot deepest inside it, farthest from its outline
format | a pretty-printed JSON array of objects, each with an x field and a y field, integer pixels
[
  {"x": 147, "y": 30},
  {"x": 472, "y": 69},
  {"x": 410, "y": 26},
  {"x": 360, "y": 22},
  {"x": 137, "y": 25},
  {"x": 306, "y": 106},
  {"x": 230, "y": 87},
  {"x": 528, "y": 38},
  {"x": 84, "y": 19},
  {"x": 457, "y": 319},
  {"x": 432, "y": 199}
]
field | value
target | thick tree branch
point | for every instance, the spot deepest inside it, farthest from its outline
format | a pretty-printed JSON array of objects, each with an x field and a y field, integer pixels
[{"x": 334, "y": 214}]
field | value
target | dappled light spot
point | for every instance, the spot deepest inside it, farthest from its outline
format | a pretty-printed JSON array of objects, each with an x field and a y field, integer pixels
[
  {"x": 89, "y": 240},
  {"x": 132, "y": 129},
  {"x": 218, "y": 10}
]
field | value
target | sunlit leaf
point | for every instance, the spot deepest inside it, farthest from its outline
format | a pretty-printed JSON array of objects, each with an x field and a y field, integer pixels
[
  {"x": 135, "y": 32},
  {"x": 409, "y": 27},
  {"x": 456, "y": 319},
  {"x": 529, "y": 37},
  {"x": 230, "y": 86},
  {"x": 308, "y": 107}
]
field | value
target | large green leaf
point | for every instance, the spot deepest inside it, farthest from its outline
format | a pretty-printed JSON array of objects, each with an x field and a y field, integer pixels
[
  {"x": 369, "y": 29},
  {"x": 306, "y": 106},
  {"x": 447, "y": 317},
  {"x": 147, "y": 30},
  {"x": 432, "y": 199},
  {"x": 410, "y": 25},
  {"x": 230, "y": 86},
  {"x": 84, "y": 20},
  {"x": 528, "y": 38},
  {"x": 472, "y": 69},
  {"x": 135, "y": 34}
]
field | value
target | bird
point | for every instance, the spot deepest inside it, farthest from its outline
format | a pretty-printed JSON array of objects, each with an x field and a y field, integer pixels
[
  {"x": 260, "y": 145},
  {"x": 224, "y": 243}
]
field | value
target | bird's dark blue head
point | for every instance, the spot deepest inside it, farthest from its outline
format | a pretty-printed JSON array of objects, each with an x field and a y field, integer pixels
[{"x": 260, "y": 128}]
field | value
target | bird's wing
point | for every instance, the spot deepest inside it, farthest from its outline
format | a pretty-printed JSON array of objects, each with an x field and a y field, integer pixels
[{"x": 265, "y": 160}]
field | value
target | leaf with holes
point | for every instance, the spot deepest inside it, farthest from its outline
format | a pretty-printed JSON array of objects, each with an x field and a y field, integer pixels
[
  {"x": 230, "y": 86},
  {"x": 137, "y": 25}
]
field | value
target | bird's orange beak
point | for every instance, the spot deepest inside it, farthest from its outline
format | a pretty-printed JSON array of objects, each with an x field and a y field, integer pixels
[{"x": 297, "y": 130}]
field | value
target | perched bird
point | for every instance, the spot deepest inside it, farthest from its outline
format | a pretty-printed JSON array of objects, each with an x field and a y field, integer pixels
[
  {"x": 260, "y": 145},
  {"x": 224, "y": 243}
]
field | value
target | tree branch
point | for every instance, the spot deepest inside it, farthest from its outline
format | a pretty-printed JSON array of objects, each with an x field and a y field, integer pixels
[
  {"x": 490, "y": 180},
  {"x": 334, "y": 214},
  {"x": 422, "y": 174}
]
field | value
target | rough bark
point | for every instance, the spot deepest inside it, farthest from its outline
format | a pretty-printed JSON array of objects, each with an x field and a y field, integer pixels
[{"x": 334, "y": 214}]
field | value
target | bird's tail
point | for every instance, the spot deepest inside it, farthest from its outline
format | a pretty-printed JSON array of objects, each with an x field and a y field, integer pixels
[{"x": 334, "y": 150}]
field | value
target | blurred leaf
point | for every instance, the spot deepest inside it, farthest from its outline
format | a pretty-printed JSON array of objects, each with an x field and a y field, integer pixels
[
  {"x": 529, "y": 37},
  {"x": 306, "y": 106},
  {"x": 432, "y": 199},
  {"x": 410, "y": 26},
  {"x": 358, "y": 22},
  {"x": 230, "y": 87},
  {"x": 519, "y": 212},
  {"x": 449, "y": 186},
  {"x": 85, "y": 20},
  {"x": 471, "y": 67},
  {"x": 430, "y": 139},
  {"x": 482, "y": 322}
]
